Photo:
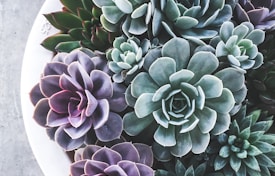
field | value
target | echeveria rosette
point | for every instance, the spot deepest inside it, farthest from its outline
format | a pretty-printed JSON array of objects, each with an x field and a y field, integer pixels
[
  {"x": 261, "y": 13},
  {"x": 123, "y": 159},
  {"x": 79, "y": 25},
  {"x": 186, "y": 98},
  {"x": 192, "y": 19},
  {"x": 246, "y": 148},
  {"x": 127, "y": 57},
  {"x": 130, "y": 16},
  {"x": 75, "y": 96},
  {"x": 238, "y": 45}
]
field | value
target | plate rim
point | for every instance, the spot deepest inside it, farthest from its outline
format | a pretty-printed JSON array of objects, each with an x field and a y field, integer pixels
[{"x": 52, "y": 160}]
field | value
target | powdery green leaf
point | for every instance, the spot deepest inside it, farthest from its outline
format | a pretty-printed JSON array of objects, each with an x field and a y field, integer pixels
[
  {"x": 226, "y": 30},
  {"x": 101, "y": 3},
  {"x": 202, "y": 63},
  {"x": 222, "y": 124},
  {"x": 232, "y": 78},
  {"x": 112, "y": 14},
  {"x": 143, "y": 83},
  {"x": 179, "y": 50},
  {"x": 220, "y": 163},
  {"x": 133, "y": 125},
  {"x": 183, "y": 146},
  {"x": 165, "y": 136},
  {"x": 183, "y": 75},
  {"x": 168, "y": 66},
  {"x": 222, "y": 104},
  {"x": 140, "y": 11},
  {"x": 252, "y": 163},
  {"x": 207, "y": 118},
  {"x": 137, "y": 26},
  {"x": 160, "y": 118},
  {"x": 211, "y": 86},
  {"x": 235, "y": 163},
  {"x": 199, "y": 140},
  {"x": 124, "y": 5},
  {"x": 162, "y": 92},
  {"x": 185, "y": 22},
  {"x": 171, "y": 10},
  {"x": 145, "y": 106},
  {"x": 257, "y": 36},
  {"x": 225, "y": 151}
]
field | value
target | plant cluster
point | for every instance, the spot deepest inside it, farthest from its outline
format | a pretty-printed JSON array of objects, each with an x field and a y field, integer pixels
[{"x": 168, "y": 87}]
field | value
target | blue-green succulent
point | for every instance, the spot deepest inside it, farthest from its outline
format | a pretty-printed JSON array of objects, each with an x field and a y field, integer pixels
[
  {"x": 238, "y": 45},
  {"x": 247, "y": 148},
  {"x": 185, "y": 95},
  {"x": 127, "y": 57},
  {"x": 193, "y": 18},
  {"x": 133, "y": 16}
]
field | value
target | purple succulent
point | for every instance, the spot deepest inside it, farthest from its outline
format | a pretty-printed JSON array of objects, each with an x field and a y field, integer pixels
[
  {"x": 123, "y": 159},
  {"x": 261, "y": 13},
  {"x": 75, "y": 95}
]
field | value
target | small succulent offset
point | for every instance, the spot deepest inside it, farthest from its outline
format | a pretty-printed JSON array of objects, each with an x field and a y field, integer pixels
[
  {"x": 74, "y": 97},
  {"x": 261, "y": 13},
  {"x": 131, "y": 16},
  {"x": 123, "y": 159},
  {"x": 238, "y": 45},
  {"x": 199, "y": 19},
  {"x": 79, "y": 26},
  {"x": 247, "y": 148},
  {"x": 127, "y": 57},
  {"x": 185, "y": 99}
]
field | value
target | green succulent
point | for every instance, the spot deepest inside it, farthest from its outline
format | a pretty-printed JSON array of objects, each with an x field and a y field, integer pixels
[
  {"x": 180, "y": 170},
  {"x": 246, "y": 148},
  {"x": 79, "y": 26},
  {"x": 238, "y": 45},
  {"x": 127, "y": 57},
  {"x": 185, "y": 96},
  {"x": 133, "y": 16},
  {"x": 191, "y": 19}
]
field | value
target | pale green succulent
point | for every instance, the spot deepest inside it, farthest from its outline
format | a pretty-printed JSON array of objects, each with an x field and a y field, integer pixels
[
  {"x": 127, "y": 57},
  {"x": 133, "y": 16},
  {"x": 184, "y": 96},
  {"x": 247, "y": 148},
  {"x": 238, "y": 45},
  {"x": 191, "y": 19}
]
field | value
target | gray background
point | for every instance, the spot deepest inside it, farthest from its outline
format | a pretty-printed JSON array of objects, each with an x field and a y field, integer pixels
[{"x": 16, "y": 19}]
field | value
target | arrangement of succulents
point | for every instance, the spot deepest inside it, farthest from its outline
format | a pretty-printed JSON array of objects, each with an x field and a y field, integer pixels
[{"x": 165, "y": 88}]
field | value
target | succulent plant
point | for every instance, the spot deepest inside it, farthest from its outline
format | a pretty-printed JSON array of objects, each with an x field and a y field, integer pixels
[
  {"x": 191, "y": 19},
  {"x": 131, "y": 15},
  {"x": 181, "y": 170},
  {"x": 75, "y": 96},
  {"x": 238, "y": 45},
  {"x": 262, "y": 88},
  {"x": 79, "y": 26},
  {"x": 187, "y": 98},
  {"x": 261, "y": 13},
  {"x": 127, "y": 57},
  {"x": 246, "y": 148},
  {"x": 122, "y": 159}
]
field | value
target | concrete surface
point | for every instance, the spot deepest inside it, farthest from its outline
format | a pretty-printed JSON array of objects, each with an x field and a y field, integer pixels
[{"x": 16, "y": 19}]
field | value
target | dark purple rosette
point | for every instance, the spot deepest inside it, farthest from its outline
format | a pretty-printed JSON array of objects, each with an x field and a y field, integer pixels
[
  {"x": 261, "y": 13},
  {"x": 76, "y": 96},
  {"x": 123, "y": 159}
]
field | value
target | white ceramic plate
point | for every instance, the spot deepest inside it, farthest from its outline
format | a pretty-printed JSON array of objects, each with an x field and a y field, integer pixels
[{"x": 51, "y": 158}]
